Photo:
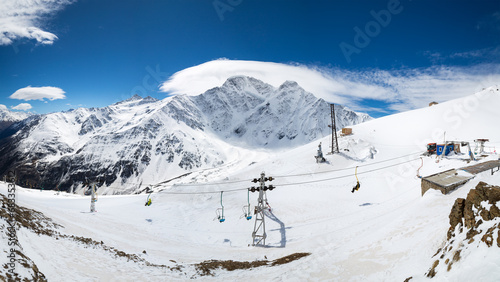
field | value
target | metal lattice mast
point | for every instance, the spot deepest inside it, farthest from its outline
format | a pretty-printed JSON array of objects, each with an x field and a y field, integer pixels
[
  {"x": 259, "y": 229},
  {"x": 335, "y": 144}
]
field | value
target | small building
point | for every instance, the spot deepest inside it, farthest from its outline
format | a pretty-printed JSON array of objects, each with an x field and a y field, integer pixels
[
  {"x": 440, "y": 149},
  {"x": 445, "y": 182},
  {"x": 433, "y": 103},
  {"x": 451, "y": 179},
  {"x": 346, "y": 131}
]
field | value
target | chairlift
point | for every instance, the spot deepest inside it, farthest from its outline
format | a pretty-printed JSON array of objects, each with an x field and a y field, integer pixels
[
  {"x": 246, "y": 208},
  {"x": 356, "y": 187},
  {"x": 148, "y": 200},
  {"x": 220, "y": 211},
  {"x": 418, "y": 170}
]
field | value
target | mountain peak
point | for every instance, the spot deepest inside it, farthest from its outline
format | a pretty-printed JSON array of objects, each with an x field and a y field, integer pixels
[
  {"x": 289, "y": 84},
  {"x": 238, "y": 82},
  {"x": 137, "y": 100},
  {"x": 149, "y": 98},
  {"x": 133, "y": 98}
]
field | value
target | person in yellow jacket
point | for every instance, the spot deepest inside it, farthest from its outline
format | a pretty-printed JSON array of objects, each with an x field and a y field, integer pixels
[{"x": 148, "y": 201}]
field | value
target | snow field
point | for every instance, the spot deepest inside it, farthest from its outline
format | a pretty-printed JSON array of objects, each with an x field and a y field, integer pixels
[{"x": 386, "y": 231}]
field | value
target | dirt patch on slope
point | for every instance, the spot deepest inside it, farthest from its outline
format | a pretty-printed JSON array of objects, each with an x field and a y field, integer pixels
[{"x": 207, "y": 267}]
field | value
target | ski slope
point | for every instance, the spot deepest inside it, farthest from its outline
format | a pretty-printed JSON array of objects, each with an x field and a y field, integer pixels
[{"x": 385, "y": 231}]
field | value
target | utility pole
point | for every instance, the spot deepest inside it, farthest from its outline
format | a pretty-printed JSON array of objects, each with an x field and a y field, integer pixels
[
  {"x": 259, "y": 229},
  {"x": 335, "y": 144},
  {"x": 93, "y": 198}
]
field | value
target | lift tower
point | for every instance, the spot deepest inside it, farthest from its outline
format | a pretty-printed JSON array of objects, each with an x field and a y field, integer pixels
[
  {"x": 335, "y": 144},
  {"x": 259, "y": 230}
]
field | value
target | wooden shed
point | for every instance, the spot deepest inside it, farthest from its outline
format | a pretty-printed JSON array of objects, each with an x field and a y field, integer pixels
[{"x": 346, "y": 131}]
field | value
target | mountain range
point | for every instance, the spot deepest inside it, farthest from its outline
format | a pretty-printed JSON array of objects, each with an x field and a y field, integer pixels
[
  {"x": 7, "y": 118},
  {"x": 141, "y": 141}
]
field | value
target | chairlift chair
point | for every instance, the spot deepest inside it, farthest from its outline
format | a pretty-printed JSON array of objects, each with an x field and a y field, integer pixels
[
  {"x": 356, "y": 187},
  {"x": 220, "y": 211},
  {"x": 246, "y": 208}
]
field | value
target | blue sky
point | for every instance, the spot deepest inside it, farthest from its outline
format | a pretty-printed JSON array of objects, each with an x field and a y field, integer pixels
[{"x": 379, "y": 57}]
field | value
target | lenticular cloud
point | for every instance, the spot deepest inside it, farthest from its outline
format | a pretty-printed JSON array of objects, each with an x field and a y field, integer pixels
[
  {"x": 400, "y": 90},
  {"x": 38, "y": 93}
]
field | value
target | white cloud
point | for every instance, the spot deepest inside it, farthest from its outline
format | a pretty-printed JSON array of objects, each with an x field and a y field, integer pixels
[
  {"x": 3, "y": 107},
  {"x": 398, "y": 90},
  {"x": 38, "y": 93},
  {"x": 198, "y": 79},
  {"x": 23, "y": 19},
  {"x": 22, "y": 107}
]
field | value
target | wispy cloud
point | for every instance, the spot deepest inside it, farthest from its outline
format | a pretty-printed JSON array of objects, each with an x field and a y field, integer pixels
[
  {"x": 490, "y": 22},
  {"x": 22, "y": 107},
  {"x": 396, "y": 90},
  {"x": 38, "y": 93},
  {"x": 24, "y": 19},
  {"x": 489, "y": 54}
]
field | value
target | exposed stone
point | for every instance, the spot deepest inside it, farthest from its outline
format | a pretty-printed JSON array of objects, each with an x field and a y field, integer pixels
[
  {"x": 456, "y": 215},
  {"x": 494, "y": 211},
  {"x": 432, "y": 271},
  {"x": 482, "y": 192},
  {"x": 498, "y": 239},
  {"x": 488, "y": 237},
  {"x": 470, "y": 213}
]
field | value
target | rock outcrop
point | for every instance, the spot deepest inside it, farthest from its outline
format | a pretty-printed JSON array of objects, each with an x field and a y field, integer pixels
[{"x": 474, "y": 220}]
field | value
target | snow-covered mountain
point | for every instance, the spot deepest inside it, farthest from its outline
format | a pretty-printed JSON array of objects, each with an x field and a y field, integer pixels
[
  {"x": 9, "y": 117},
  {"x": 145, "y": 140},
  {"x": 385, "y": 231}
]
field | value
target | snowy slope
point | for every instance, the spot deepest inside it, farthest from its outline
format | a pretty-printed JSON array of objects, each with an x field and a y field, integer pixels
[
  {"x": 9, "y": 117},
  {"x": 143, "y": 141},
  {"x": 6, "y": 115},
  {"x": 386, "y": 231}
]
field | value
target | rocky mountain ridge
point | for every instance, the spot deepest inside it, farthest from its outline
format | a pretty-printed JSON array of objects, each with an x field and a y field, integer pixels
[{"x": 145, "y": 140}]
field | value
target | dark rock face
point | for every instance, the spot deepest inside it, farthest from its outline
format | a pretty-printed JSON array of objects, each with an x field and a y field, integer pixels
[
  {"x": 466, "y": 210},
  {"x": 457, "y": 213}
]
